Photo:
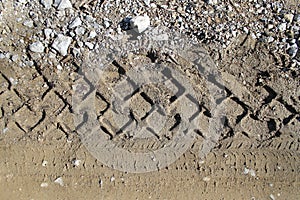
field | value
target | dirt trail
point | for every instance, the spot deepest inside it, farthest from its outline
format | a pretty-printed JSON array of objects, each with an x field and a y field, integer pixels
[{"x": 257, "y": 156}]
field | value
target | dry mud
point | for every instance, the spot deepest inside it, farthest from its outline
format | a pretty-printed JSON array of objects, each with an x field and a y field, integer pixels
[{"x": 255, "y": 157}]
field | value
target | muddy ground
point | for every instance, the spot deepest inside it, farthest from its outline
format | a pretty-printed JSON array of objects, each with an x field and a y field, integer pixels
[{"x": 255, "y": 157}]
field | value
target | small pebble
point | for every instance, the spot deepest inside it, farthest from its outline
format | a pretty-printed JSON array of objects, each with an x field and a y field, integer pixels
[
  {"x": 76, "y": 162},
  {"x": 37, "y": 47},
  {"x": 112, "y": 179},
  {"x": 61, "y": 44},
  {"x": 282, "y": 27},
  {"x": 212, "y": 2},
  {"x": 28, "y": 23},
  {"x": 289, "y": 17},
  {"x": 4, "y": 130},
  {"x": 80, "y": 31},
  {"x": 15, "y": 58},
  {"x": 89, "y": 45},
  {"x": 2, "y": 56},
  {"x": 44, "y": 163},
  {"x": 92, "y": 34},
  {"x": 48, "y": 32},
  {"x": 64, "y": 4},
  {"x": 249, "y": 171},
  {"x": 59, "y": 67},
  {"x": 59, "y": 181},
  {"x": 47, "y": 3},
  {"x": 292, "y": 50},
  {"x": 76, "y": 22},
  {"x": 44, "y": 184},
  {"x": 140, "y": 23}
]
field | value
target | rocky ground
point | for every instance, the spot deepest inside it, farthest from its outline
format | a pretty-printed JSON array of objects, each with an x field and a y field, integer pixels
[{"x": 254, "y": 45}]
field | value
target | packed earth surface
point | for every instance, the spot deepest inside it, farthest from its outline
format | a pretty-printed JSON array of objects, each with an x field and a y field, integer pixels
[{"x": 58, "y": 63}]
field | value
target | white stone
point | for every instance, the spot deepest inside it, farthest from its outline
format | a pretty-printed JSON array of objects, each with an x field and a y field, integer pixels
[
  {"x": 282, "y": 27},
  {"x": 56, "y": 2},
  {"x": 112, "y": 179},
  {"x": 297, "y": 18},
  {"x": 2, "y": 56},
  {"x": 48, "y": 32},
  {"x": 59, "y": 181},
  {"x": 147, "y": 2},
  {"x": 89, "y": 45},
  {"x": 106, "y": 24},
  {"x": 271, "y": 39},
  {"x": 80, "y": 31},
  {"x": 76, "y": 162},
  {"x": 22, "y": 1},
  {"x": 293, "y": 49},
  {"x": 29, "y": 63},
  {"x": 44, "y": 184},
  {"x": 37, "y": 47},
  {"x": 289, "y": 17},
  {"x": 59, "y": 67},
  {"x": 140, "y": 23},
  {"x": 212, "y": 2},
  {"x": 61, "y": 44},
  {"x": 15, "y": 58},
  {"x": 28, "y": 23},
  {"x": 249, "y": 171},
  {"x": 47, "y": 3},
  {"x": 76, "y": 22},
  {"x": 44, "y": 163},
  {"x": 92, "y": 34},
  {"x": 64, "y": 4}
]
